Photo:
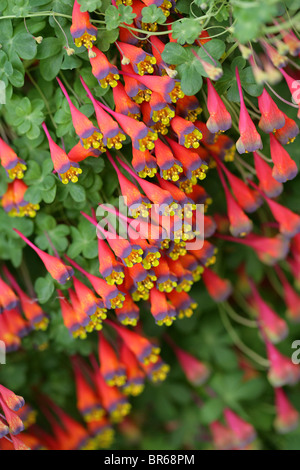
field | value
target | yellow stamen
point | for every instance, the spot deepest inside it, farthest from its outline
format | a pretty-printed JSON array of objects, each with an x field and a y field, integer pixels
[
  {"x": 164, "y": 115},
  {"x": 116, "y": 277},
  {"x": 17, "y": 171},
  {"x": 116, "y": 141},
  {"x": 71, "y": 175},
  {"x": 192, "y": 139},
  {"x": 173, "y": 173},
  {"x": 95, "y": 141},
  {"x": 111, "y": 79},
  {"x": 176, "y": 93},
  {"x": 143, "y": 95},
  {"x": 148, "y": 141},
  {"x": 86, "y": 40},
  {"x": 146, "y": 65},
  {"x": 134, "y": 258}
]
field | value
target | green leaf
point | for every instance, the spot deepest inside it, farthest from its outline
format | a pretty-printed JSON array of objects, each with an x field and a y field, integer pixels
[
  {"x": 25, "y": 45},
  {"x": 153, "y": 14},
  {"x": 174, "y": 54},
  {"x": 186, "y": 30},
  {"x": 211, "y": 410},
  {"x": 44, "y": 288},
  {"x": 77, "y": 192},
  {"x": 115, "y": 16},
  {"x": 50, "y": 67},
  {"x": 48, "y": 48},
  {"x": 89, "y": 5}
]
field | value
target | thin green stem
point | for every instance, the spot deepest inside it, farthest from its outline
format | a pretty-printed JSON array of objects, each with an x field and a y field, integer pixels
[{"x": 42, "y": 96}]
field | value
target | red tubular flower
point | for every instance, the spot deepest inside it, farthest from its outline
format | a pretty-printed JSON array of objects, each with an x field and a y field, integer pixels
[
  {"x": 213, "y": 72},
  {"x": 188, "y": 108},
  {"x": 287, "y": 417},
  {"x": 13, "y": 401},
  {"x": 124, "y": 104},
  {"x": 82, "y": 31},
  {"x": 141, "y": 347},
  {"x": 282, "y": 370},
  {"x": 187, "y": 205},
  {"x": 112, "y": 134},
  {"x": 278, "y": 60},
  {"x": 193, "y": 166},
  {"x": 23, "y": 207},
  {"x": 247, "y": 199},
  {"x": 12, "y": 164},
  {"x": 141, "y": 61},
  {"x": 291, "y": 298},
  {"x": 18, "y": 326},
  {"x": 220, "y": 119},
  {"x": 196, "y": 372},
  {"x": 58, "y": 270},
  {"x": 288, "y": 132},
  {"x": 112, "y": 298},
  {"x": 244, "y": 433},
  {"x": 275, "y": 329},
  {"x": 184, "y": 277},
  {"x": 129, "y": 313},
  {"x": 219, "y": 289},
  {"x": 223, "y": 437},
  {"x": 156, "y": 372},
  {"x": 88, "y": 301},
  {"x": 144, "y": 163},
  {"x": 163, "y": 312},
  {"x": 224, "y": 147},
  {"x": 8, "y": 201},
  {"x": 294, "y": 87},
  {"x": 183, "y": 303},
  {"x": 269, "y": 185},
  {"x": 289, "y": 222},
  {"x": 88, "y": 402},
  {"x": 271, "y": 116},
  {"x": 11, "y": 340},
  {"x": 188, "y": 135},
  {"x": 291, "y": 41},
  {"x": 160, "y": 110},
  {"x": 143, "y": 279},
  {"x": 106, "y": 73},
  {"x": 170, "y": 168},
  {"x": 284, "y": 167},
  {"x": 135, "y": 376},
  {"x": 206, "y": 255},
  {"x": 15, "y": 424},
  {"x": 142, "y": 137},
  {"x": 31, "y": 309},
  {"x": 240, "y": 224},
  {"x": 79, "y": 153},
  {"x": 8, "y": 299},
  {"x": 249, "y": 137},
  {"x": 66, "y": 170},
  {"x": 79, "y": 314},
  {"x": 4, "y": 430},
  {"x": 70, "y": 319},
  {"x": 102, "y": 432},
  {"x": 114, "y": 402},
  {"x": 133, "y": 87},
  {"x": 166, "y": 281},
  {"x": 90, "y": 136},
  {"x": 111, "y": 369}
]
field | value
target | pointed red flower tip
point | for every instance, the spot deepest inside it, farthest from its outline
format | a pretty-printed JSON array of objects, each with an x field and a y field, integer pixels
[
  {"x": 141, "y": 347},
  {"x": 269, "y": 185},
  {"x": 13, "y": 401},
  {"x": 275, "y": 328},
  {"x": 188, "y": 135},
  {"x": 12, "y": 164},
  {"x": 112, "y": 370},
  {"x": 80, "y": 315},
  {"x": 170, "y": 168},
  {"x": 144, "y": 163},
  {"x": 223, "y": 436},
  {"x": 58, "y": 270},
  {"x": 135, "y": 376},
  {"x": 157, "y": 372},
  {"x": 79, "y": 153},
  {"x": 163, "y": 312},
  {"x": 90, "y": 136},
  {"x": 282, "y": 371},
  {"x": 196, "y": 372},
  {"x": 106, "y": 73},
  {"x": 269, "y": 250},
  {"x": 16, "y": 322},
  {"x": 244, "y": 432},
  {"x": 288, "y": 132},
  {"x": 294, "y": 87},
  {"x": 247, "y": 199},
  {"x": 240, "y": 224},
  {"x": 31, "y": 309},
  {"x": 141, "y": 61},
  {"x": 111, "y": 269},
  {"x": 289, "y": 222},
  {"x": 271, "y": 116},
  {"x": 62, "y": 165},
  {"x": 285, "y": 168},
  {"x": 129, "y": 313},
  {"x": 88, "y": 301},
  {"x": 287, "y": 417},
  {"x": 88, "y": 402},
  {"x": 250, "y": 139},
  {"x": 219, "y": 289},
  {"x": 194, "y": 168},
  {"x": 82, "y": 31},
  {"x": 114, "y": 402},
  {"x": 188, "y": 108},
  {"x": 8, "y": 299},
  {"x": 219, "y": 119},
  {"x": 124, "y": 104},
  {"x": 134, "y": 88},
  {"x": 15, "y": 424}
]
